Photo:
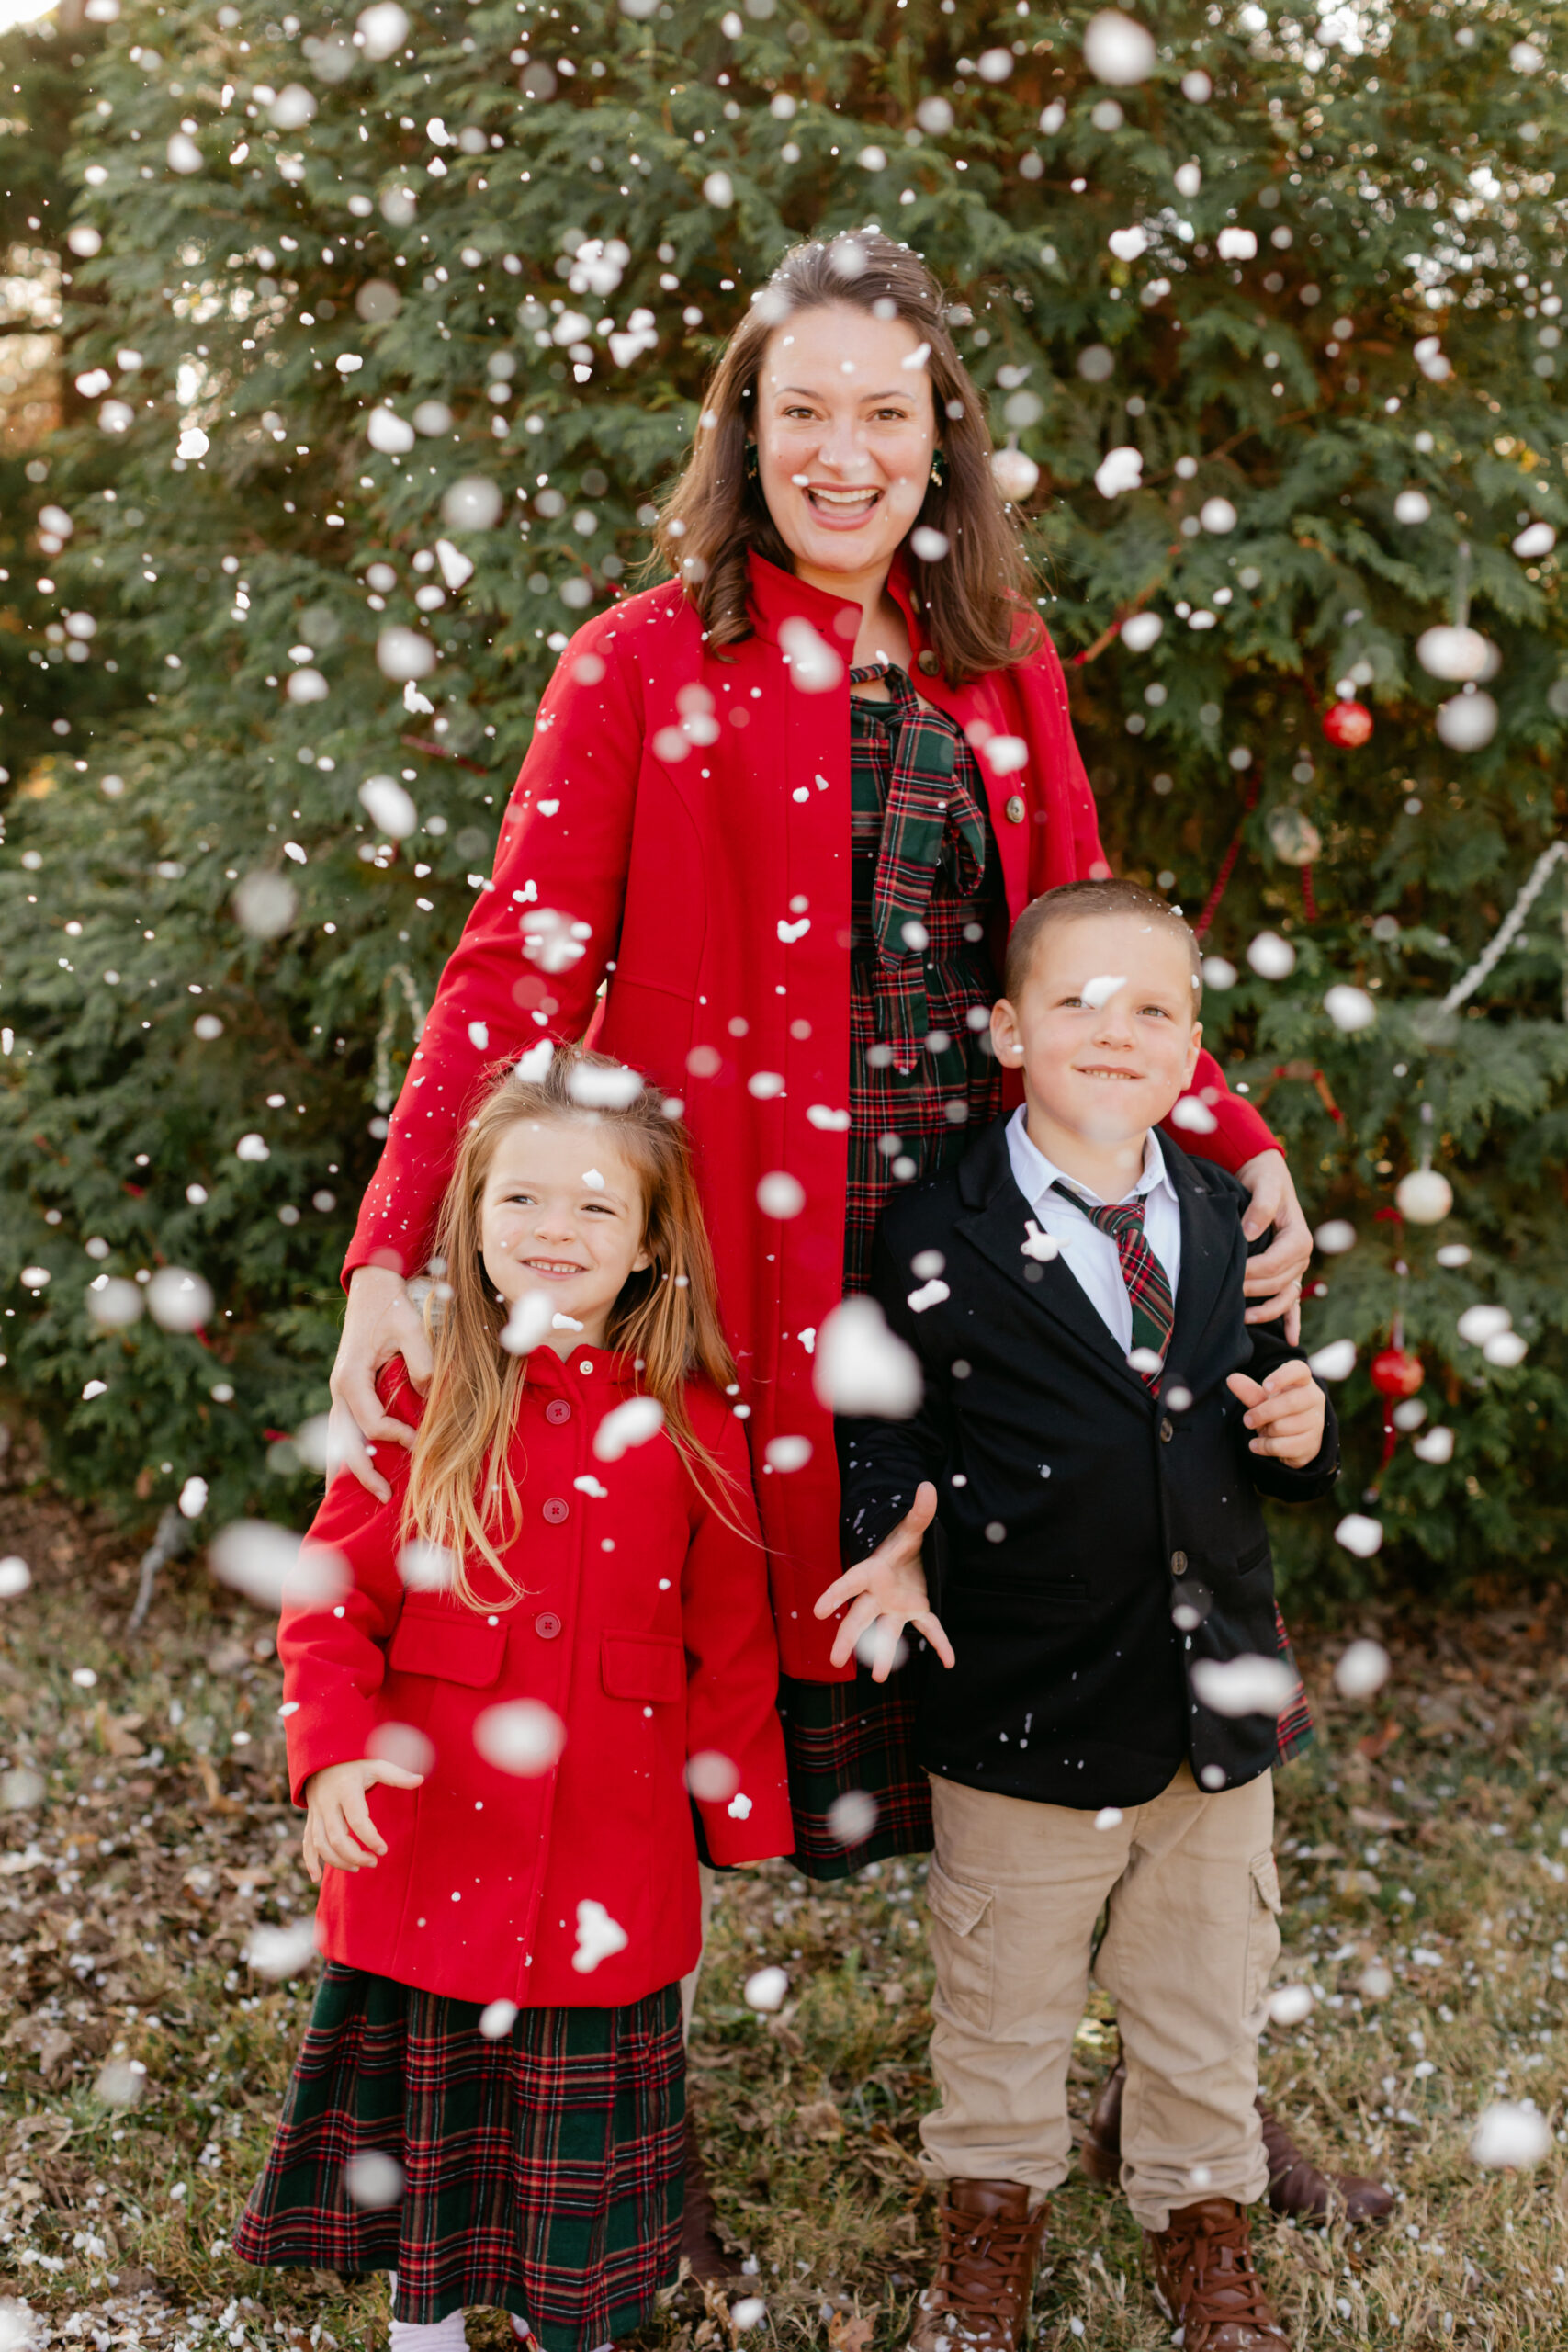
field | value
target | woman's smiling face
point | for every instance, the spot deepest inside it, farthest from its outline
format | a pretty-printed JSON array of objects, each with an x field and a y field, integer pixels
[{"x": 846, "y": 429}]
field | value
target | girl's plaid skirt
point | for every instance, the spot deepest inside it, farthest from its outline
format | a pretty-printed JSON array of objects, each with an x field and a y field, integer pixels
[{"x": 542, "y": 2172}]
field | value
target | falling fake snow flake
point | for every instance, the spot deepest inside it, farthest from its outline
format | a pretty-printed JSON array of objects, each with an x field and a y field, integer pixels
[
  {"x": 1362, "y": 1669},
  {"x": 277, "y": 1953},
  {"x": 862, "y": 1367},
  {"x": 766, "y": 1989},
  {"x": 1289, "y": 2004},
  {"x": 1361, "y": 1536},
  {"x": 268, "y": 1564},
  {"x": 813, "y": 666},
  {"x": 389, "y": 805},
  {"x": 497, "y": 2019},
  {"x": 630, "y": 1424},
  {"x": 373, "y": 2179},
  {"x": 1248, "y": 1685},
  {"x": 1117, "y": 50},
  {"x": 1510, "y": 2137},
  {"x": 521, "y": 1736},
  {"x": 598, "y": 1936},
  {"x": 14, "y": 1575},
  {"x": 853, "y": 1816}
]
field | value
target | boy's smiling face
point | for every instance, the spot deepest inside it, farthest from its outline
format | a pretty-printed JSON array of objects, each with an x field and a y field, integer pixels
[{"x": 1105, "y": 1034}]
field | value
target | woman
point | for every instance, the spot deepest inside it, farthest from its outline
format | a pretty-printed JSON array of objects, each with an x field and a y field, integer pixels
[{"x": 787, "y": 803}]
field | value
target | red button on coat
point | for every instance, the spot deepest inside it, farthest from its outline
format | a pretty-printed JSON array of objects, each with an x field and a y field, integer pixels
[
  {"x": 547, "y": 1625},
  {"x": 556, "y": 1509},
  {"x": 558, "y": 1410}
]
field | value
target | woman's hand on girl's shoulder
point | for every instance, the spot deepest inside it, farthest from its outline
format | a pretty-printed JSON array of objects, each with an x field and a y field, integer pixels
[
  {"x": 338, "y": 1832},
  {"x": 380, "y": 1325}
]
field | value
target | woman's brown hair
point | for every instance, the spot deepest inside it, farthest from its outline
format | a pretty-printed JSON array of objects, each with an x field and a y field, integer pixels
[
  {"x": 462, "y": 1498},
  {"x": 974, "y": 597}
]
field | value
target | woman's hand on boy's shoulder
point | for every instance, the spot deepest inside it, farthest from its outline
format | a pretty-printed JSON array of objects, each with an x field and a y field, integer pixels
[
  {"x": 338, "y": 1832},
  {"x": 886, "y": 1592},
  {"x": 1286, "y": 1412}
]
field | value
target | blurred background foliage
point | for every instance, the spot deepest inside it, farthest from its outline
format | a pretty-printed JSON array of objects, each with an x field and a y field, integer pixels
[{"x": 294, "y": 306}]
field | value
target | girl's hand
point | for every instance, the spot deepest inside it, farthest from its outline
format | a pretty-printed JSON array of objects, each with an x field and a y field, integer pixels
[
  {"x": 1275, "y": 1278},
  {"x": 1288, "y": 1410},
  {"x": 888, "y": 1591},
  {"x": 381, "y": 1321},
  {"x": 338, "y": 1832}
]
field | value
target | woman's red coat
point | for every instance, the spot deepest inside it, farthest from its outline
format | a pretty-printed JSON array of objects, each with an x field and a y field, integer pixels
[
  {"x": 645, "y": 1628},
  {"x": 689, "y": 813}
]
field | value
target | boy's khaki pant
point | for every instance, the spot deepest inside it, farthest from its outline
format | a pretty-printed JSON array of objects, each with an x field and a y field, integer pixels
[{"x": 1014, "y": 1893}]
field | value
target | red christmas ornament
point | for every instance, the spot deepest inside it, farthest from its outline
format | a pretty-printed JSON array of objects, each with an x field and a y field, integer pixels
[
  {"x": 1347, "y": 724},
  {"x": 1394, "y": 1371}
]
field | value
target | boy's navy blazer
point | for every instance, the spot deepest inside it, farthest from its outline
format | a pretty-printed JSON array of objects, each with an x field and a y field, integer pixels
[{"x": 1077, "y": 1509}]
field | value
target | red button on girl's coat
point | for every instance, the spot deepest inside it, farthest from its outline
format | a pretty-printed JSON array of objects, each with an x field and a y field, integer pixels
[
  {"x": 547, "y": 1625},
  {"x": 555, "y": 1508},
  {"x": 558, "y": 1410}
]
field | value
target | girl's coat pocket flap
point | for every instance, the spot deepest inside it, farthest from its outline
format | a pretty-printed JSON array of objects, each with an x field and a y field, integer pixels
[
  {"x": 644, "y": 1666},
  {"x": 448, "y": 1647}
]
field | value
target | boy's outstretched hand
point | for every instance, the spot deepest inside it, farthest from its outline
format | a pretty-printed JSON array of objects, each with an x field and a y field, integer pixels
[
  {"x": 887, "y": 1591},
  {"x": 338, "y": 1832},
  {"x": 1286, "y": 1412}
]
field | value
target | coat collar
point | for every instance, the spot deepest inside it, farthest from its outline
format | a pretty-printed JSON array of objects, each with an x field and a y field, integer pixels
[
  {"x": 996, "y": 1219},
  {"x": 777, "y": 596}
]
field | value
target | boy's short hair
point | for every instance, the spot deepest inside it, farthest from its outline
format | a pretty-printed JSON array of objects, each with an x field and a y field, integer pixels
[{"x": 1074, "y": 901}]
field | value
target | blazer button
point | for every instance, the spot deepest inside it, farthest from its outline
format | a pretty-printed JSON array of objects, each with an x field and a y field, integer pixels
[
  {"x": 927, "y": 663},
  {"x": 556, "y": 1507},
  {"x": 558, "y": 1410},
  {"x": 1167, "y": 1431},
  {"x": 1014, "y": 811},
  {"x": 1178, "y": 1564},
  {"x": 547, "y": 1625}
]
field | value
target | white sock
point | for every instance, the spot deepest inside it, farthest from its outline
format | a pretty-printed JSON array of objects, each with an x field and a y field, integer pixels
[{"x": 436, "y": 2336}]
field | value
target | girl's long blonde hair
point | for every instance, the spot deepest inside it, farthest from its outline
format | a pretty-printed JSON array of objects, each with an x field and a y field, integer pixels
[{"x": 462, "y": 1497}]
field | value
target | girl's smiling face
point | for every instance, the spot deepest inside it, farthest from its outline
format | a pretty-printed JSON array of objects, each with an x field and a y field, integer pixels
[
  {"x": 846, "y": 427},
  {"x": 563, "y": 1215}
]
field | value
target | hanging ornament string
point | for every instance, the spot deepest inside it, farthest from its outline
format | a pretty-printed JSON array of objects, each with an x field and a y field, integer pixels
[
  {"x": 1508, "y": 930},
  {"x": 1227, "y": 865}
]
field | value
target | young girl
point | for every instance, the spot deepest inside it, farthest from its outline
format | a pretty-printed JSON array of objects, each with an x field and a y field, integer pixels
[{"x": 491, "y": 1715}]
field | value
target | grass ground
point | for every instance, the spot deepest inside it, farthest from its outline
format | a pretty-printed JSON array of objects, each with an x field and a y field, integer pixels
[{"x": 146, "y": 1833}]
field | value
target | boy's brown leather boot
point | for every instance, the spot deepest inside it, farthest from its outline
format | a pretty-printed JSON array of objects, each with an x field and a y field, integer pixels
[
  {"x": 1296, "y": 2186},
  {"x": 979, "y": 2300},
  {"x": 1205, "y": 2283}
]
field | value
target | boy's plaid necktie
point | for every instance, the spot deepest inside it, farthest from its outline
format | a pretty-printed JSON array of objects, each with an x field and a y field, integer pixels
[{"x": 1154, "y": 1312}]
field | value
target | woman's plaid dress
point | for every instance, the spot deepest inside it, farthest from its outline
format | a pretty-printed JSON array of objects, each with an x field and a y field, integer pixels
[{"x": 928, "y": 926}]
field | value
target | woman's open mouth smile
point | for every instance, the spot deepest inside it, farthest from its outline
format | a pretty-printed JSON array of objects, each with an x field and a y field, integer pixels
[{"x": 839, "y": 508}]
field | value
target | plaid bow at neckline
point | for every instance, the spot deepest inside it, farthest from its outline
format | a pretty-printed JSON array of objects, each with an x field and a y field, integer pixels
[
  {"x": 1153, "y": 1310},
  {"x": 930, "y": 808}
]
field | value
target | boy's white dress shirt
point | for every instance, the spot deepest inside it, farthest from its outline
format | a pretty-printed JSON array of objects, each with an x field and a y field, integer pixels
[{"x": 1091, "y": 1255}]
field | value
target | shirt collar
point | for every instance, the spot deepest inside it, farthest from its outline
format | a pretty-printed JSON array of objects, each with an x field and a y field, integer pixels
[
  {"x": 1043, "y": 1173},
  {"x": 776, "y": 595}
]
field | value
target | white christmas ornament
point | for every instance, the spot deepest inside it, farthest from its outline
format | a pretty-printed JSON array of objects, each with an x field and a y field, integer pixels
[
  {"x": 1014, "y": 474},
  {"x": 1433, "y": 1445},
  {"x": 862, "y": 1367},
  {"x": 1350, "y": 1009},
  {"x": 1117, "y": 50},
  {"x": 1236, "y": 244},
  {"x": 1424, "y": 1197},
  {"x": 1505, "y": 1351},
  {"x": 1509, "y": 2136},
  {"x": 1140, "y": 630},
  {"x": 1359, "y": 1534},
  {"x": 1334, "y": 1236},
  {"x": 1480, "y": 1323},
  {"x": 1217, "y": 514},
  {"x": 1412, "y": 506},
  {"x": 1535, "y": 540},
  {"x": 1334, "y": 1361},
  {"x": 1362, "y": 1668},
  {"x": 1456, "y": 655},
  {"x": 1467, "y": 722},
  {"x": 1118, "y": 471}
]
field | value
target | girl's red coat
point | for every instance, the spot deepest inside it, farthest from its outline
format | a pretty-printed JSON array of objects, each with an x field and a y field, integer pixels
[
  {"x": 681, "y": 823},
  {"x": 645, "y": 1628}
]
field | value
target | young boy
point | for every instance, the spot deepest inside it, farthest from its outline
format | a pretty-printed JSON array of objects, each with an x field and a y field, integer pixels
[{"x": 1098, "y": 1422}]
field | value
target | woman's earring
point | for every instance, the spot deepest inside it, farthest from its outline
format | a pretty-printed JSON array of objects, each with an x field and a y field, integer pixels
[
  {"x": 753, "y": 467},
  {"x": 939, "y": 467}
]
